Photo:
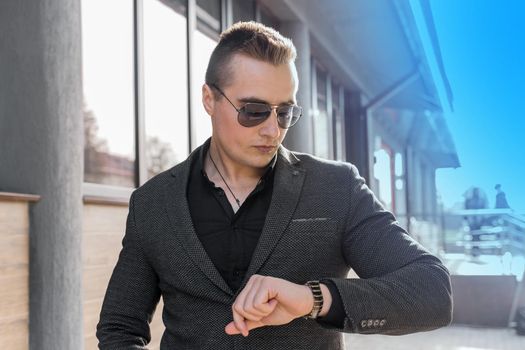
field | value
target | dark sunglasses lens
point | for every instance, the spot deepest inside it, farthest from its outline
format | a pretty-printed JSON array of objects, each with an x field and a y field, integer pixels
[
  {"x": 287, "y": 116},
  {"x": 252, "y": 114}
]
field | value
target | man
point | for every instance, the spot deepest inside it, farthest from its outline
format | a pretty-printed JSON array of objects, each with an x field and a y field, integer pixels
[
  {"x": 501, "y": 198},
  {"x": 250, "y": 244}
]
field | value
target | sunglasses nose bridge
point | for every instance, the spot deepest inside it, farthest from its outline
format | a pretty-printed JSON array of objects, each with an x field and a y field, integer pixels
[{"x": 274, "y": 109}]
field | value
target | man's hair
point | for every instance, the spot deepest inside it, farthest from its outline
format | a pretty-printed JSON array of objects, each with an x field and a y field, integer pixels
[{"x": 253, "y": 40}]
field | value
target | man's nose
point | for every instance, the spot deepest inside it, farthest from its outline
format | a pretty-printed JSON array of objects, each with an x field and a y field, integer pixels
[{"x": 270, "y": 127}]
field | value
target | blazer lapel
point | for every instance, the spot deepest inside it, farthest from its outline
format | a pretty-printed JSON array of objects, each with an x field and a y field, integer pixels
[
  {"x": 288, "y": 183},
  {"x": 179, "y": 215}
]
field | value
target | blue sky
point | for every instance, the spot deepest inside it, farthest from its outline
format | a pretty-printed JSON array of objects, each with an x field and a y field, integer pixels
[{"x": 483, "y": 49}]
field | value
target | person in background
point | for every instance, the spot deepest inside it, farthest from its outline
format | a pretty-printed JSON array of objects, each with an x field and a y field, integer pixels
[{"x": 501, "y": 198}]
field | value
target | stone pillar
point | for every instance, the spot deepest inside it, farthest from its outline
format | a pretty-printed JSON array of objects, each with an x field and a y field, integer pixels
[
  {"x": 41, "y": 152},
  {"x": 300, "y": 136}
]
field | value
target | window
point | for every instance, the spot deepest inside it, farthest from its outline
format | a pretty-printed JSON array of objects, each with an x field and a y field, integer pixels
[
  {"x": 338, "y": 133},
  {"x": 109, "y": 127},
  {"x": 204, "y": 41},
  {"x": 321, "y": 142},
  {"x": 209, "y": 17},
  {"x": 165, "y": 86},
  {"x": 200, "y": 118},
  {"x": 383, "y": 175}
]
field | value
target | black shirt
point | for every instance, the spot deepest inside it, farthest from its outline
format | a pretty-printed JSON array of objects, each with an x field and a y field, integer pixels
[{"x": 230, "y": 238}]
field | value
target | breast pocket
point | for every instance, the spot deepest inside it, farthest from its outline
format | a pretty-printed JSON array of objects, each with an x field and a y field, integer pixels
[
  {"x": 313, "y": 225},
  {"x": 306, "y": 245}
]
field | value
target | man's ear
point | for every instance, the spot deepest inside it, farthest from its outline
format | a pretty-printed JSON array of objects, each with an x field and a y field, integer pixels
[{"x": 208, "y": 99}]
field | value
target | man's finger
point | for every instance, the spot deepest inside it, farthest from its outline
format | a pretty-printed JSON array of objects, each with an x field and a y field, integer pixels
[
  {"x": 247, "y": 314},
  {"x": 262, "y": 304},
  {"x": 250, "y": 306},
  {"x": 239, "y": 322},
  {"x": 231, "y": 329}
]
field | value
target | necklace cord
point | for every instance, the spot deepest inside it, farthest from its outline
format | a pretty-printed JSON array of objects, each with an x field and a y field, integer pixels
[{"x": 222, "y": 177}]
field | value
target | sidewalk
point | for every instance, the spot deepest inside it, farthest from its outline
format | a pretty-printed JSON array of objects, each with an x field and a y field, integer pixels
[{"x": 449, "y": 338}]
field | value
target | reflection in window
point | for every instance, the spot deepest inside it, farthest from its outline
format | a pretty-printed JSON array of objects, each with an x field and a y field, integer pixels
[
  {"x": 321, "y": 117},
  {"x": 165, "y": 86},
  {"x": 209, "y": 16},
  {"x": 337, "y": 125},
  {"x": 212, "y": 7},
  {"x": 107, "y": 55},
  {"x": 383, "y": 177},
  {"x": 200, "y": 118},
  {"x": 243, "y": 10}
]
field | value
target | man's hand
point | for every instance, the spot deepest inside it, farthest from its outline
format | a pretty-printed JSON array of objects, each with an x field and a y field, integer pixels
[{"x": 271, "y": 301}]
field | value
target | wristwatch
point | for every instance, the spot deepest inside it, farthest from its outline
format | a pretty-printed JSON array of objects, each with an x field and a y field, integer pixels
[{"x": 315, "y": 287}]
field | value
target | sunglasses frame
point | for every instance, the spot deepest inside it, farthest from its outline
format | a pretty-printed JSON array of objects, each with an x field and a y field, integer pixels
[{"x": 272, "y": 108}]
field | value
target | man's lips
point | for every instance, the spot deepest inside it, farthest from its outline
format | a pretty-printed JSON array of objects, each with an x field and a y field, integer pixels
[{"x": 266, "y": 148}]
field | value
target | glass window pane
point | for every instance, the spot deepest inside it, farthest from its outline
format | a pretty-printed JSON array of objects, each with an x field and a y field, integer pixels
[
  {"x": 335, "y": 95},
  {"x": 337, "y": 124},
  {"x": 107, "y": 55},
  {"x": 200, "y": 119},
  {"x": 321, "y": 90},
  {"x": 243, "y": 10},
  {"x": 165, "y": 87},
  {"x": 383, "y": 177},
  {"x": 209, "y": 16},
  {"x": 321, "y": 119},
  {"x": 212, "y": 7}
]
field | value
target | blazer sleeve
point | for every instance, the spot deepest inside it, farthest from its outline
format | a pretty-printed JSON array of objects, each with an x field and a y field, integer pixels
[
  {"x": 402, "y": 287},
  {"x": 131, "y": 297}
]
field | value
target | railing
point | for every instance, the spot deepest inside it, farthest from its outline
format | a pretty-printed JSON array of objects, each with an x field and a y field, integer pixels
[
  {"x": 493, "y": 231},
  {"x": 496, "y": 231}
]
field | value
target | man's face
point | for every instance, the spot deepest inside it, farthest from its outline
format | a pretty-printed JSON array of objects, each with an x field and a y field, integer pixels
[{"x": 252, "y": 81}]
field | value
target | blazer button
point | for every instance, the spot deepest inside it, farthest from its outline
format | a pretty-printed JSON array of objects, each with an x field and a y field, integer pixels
[
  {"x": 363, "y": 323},
  {"x": 370, "y": 323},
  {"x": 376, "y": 323},
  {"x": 382, "y": 322}
]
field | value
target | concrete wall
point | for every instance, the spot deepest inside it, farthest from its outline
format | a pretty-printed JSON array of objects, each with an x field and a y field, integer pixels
[{"x": 483, "y": 300}]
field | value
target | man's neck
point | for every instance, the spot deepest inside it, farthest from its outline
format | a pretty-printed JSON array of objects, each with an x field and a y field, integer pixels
[{"x": 235, "y": 174}]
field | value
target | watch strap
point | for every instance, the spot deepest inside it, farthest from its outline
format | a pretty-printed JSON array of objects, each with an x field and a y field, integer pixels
[{"x": 315, "y": 287}]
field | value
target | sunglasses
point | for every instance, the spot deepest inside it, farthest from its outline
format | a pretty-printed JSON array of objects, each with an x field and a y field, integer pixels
[{"x": 253, "y": 113}]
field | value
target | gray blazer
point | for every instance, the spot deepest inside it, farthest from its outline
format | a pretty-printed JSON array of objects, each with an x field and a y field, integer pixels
[{"x": 322, "y": 221}]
